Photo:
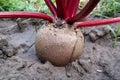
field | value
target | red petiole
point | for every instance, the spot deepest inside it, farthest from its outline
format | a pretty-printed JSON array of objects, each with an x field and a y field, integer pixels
[
  {"x": 97, "y": 22},
  {"x": 51, "y": 7},
  {"x": 84, "y": 12},
  {"x": 60, "y": 10},
  {"x": 26, "y": 15},
  {"x": 72, "y": 8}
]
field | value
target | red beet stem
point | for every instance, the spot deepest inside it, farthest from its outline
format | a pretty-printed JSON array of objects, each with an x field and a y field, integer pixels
[
  {"x": 72, "y": 8},
  {"x": 97, "y": 22},
  {"x": 26, "y": 15},
  {"x": 52, "y": 7},
  {"x": 61, "y": 8},
  {"x": 76, "y": 7},
  {"x": 84, "y": 12},
  {"x": 64, "y": 7}
]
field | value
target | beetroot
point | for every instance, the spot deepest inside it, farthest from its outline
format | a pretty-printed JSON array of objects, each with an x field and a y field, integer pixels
[{"x": 59, "y": 45}]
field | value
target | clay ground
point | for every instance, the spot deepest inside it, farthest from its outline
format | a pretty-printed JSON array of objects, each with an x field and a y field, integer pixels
[{"x": 18, "y": 60}]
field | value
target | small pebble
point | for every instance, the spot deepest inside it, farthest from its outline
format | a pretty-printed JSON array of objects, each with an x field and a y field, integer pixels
[
  {"x": 93, "y": 36},
  {"x": 100, "y": 33},
  {"x": 99, "y": 71}
]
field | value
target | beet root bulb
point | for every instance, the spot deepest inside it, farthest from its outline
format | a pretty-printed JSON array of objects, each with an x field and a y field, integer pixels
[{"x": 59, "y": 45}]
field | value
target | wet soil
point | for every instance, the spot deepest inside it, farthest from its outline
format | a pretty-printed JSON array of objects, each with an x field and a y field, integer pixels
[{"x": 18, "y": 59}]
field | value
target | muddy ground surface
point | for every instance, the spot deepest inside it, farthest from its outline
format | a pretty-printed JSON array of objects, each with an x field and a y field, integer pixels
[{"x": 18, "y": 60}]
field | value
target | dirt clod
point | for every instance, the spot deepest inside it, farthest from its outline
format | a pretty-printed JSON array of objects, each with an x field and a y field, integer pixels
[
  {"x": 93, "y": 36},
  {"x": 6, "y": 50},
  {"x": 98, "y": 33},
  {"x": 3, "y": 42},
  {"x": 10, "y": 52},
  {"x": 85, "y": 65}
]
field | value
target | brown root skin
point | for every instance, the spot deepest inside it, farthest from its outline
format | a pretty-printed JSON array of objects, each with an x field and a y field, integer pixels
[{"x": 59, "y": 46}]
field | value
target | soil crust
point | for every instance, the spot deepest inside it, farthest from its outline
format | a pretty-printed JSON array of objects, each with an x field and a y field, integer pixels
[{"x": 18, "y": 59}]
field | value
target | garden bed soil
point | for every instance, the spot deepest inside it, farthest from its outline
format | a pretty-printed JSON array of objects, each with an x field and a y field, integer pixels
[{"x": 18, "y": 59}]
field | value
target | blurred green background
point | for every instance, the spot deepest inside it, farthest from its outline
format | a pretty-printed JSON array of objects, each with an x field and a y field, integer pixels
[{"x": 106, "y": 8}]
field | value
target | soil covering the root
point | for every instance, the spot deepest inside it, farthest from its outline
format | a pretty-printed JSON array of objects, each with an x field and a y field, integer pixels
[{"x": 18, "y": 60}]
